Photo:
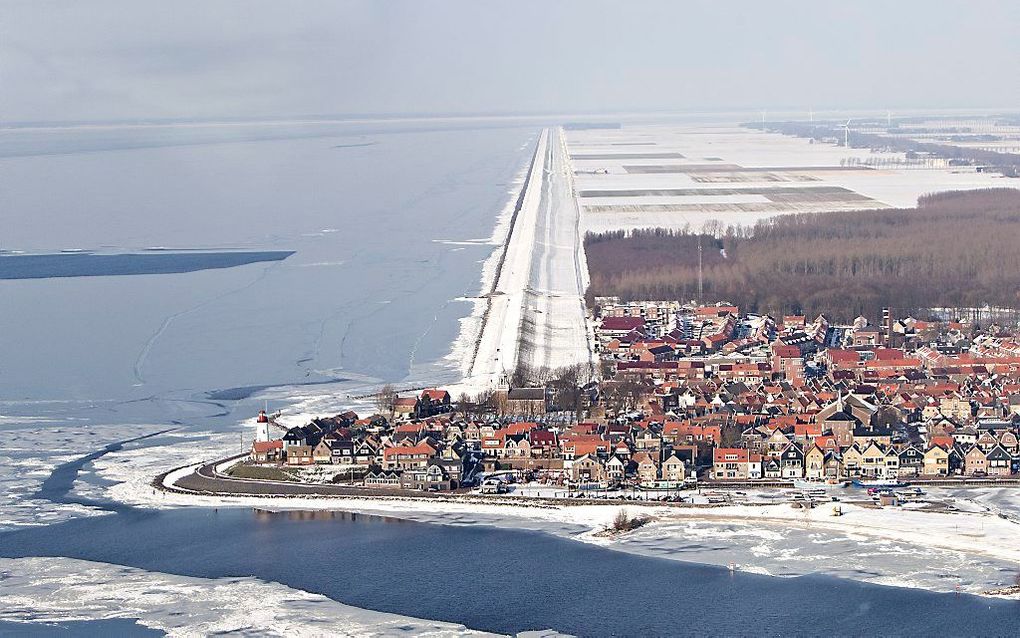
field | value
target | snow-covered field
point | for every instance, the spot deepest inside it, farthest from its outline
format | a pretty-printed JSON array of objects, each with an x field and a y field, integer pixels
[
  {"x": 719, "y": 159},
  {"x": 477, "y": 350},
  {"x": 126, "y": 474},
  {"x": 41, "y": 590},
  {"x": 497, "y": 339}
]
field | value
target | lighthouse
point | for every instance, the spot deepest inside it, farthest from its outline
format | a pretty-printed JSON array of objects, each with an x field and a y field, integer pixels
[{"x": 262, "y": 427}]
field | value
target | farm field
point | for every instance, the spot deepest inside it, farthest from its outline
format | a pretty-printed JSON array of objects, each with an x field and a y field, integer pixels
[{"x": 682, "y": 176}]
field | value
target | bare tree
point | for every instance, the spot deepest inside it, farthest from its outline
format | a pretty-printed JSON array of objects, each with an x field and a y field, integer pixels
[
  {"x": 485, "y": 402},
  {"x": 465, "y": 405},
  {"x": 569, "y": 384},
  {"x": 621, "y": 522},
  {"x": 386, "y": 400},
  {"x": 844, "y": 264},
  {"x": 621, "y": 395},
  {"x": 527, "y": 376}
]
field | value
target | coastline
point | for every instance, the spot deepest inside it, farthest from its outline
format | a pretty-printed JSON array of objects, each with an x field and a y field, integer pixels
[
  {"x": 531, "y": 310},
  {"x": 758, "y": 539},
  {"x": 481, "y": 352},
  {"x": 495, "y": 340},
  {"x": 505, "y": 297},
  {"x": 464, "y": 351},
  {"x": 125, "y": 477}
]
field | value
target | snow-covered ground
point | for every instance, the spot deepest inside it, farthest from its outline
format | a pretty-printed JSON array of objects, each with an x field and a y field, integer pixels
[
  {"x": 129, "y": 472},
  {"x": 496, "y": 349},
  {"x": 721, "y": 158},
  {"x": 553, "y": 331},
  {"x": 40, "y": 590},
  {"x": 535, "y": 314},
  {"x": 478, "y": 348}
]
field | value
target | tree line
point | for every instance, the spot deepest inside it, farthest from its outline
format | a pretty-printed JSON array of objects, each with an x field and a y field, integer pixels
[
  {"x": 1006, "y": 163},
  {"x": 953, "y": 250}
]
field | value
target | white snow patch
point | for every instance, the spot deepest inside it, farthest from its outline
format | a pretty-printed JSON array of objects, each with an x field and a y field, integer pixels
[
  {"x": 30, "y": 454},
  {"x": 62, "y": 589}
]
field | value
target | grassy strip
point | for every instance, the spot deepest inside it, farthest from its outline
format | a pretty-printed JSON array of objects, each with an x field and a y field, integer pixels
[{"x": 259, "y": 472}]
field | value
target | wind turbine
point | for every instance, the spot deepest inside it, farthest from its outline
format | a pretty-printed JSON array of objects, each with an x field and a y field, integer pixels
[
  {"x": 888, "y": 119},
  {"x": 811, "y": 113},
  {"x": 763, "y": 121},
  {"x": 846, "y": 134}
]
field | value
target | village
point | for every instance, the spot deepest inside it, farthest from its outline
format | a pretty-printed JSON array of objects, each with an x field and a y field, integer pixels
[{"x": 693, "y": 396}]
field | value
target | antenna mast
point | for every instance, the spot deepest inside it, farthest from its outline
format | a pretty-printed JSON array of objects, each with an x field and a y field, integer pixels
[{"x": 701, "y": 276}]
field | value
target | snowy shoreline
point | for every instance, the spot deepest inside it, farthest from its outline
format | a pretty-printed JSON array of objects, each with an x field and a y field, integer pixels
[
  {"x": 973, "y": 549},
  {"x": 532, "y": 309},
  {"x": 466, "y": 349},
  {"x": 975, "y": 543},
  {"x": 488, "y": 345}
]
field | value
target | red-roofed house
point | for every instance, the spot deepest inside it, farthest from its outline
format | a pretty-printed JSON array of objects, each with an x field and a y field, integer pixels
[
  {"x": 431, "y": 402},
  {"x": 267, "y": 451},
  {"x": 684, "y": 432},
  {"x": 575, "y": 449},
  {"x": 838, "y": 359},
  {"x": 787, "y": 360},
  {"x": 717, "y": 311},
  {"x": 543, "y": 443},
  {"x": 619, "y": 326},
  {"x": 520, "y": 427},
  {"x": 406, "y": 457},
  {"x": 735, "y": 464}
]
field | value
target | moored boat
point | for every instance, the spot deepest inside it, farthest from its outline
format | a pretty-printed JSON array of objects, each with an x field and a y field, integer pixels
[{"x": 879, "y": 483}]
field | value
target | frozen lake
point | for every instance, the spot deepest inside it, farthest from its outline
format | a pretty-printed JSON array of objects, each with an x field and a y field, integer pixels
[{"x": 382, "y": 220}]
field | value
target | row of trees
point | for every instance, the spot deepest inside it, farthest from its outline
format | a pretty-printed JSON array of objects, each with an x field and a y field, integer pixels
[
  {"x": 568, "y": 385},
  {"x": 953, "y": 250},
  {"x": 1007, "y": 163}
]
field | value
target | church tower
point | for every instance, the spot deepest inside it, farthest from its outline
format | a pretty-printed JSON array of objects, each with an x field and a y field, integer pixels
[{"x": 502, "y": 393}]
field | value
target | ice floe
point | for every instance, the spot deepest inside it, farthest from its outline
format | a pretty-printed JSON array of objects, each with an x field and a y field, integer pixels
[{"x": 40, "y": 590}]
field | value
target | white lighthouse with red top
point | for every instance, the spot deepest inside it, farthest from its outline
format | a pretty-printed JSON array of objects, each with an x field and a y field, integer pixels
[{"x": 262, "y": 427}]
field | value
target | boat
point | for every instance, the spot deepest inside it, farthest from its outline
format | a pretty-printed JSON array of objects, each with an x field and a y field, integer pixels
[
  {"x": 802, "y": 484},
  {"x": 879, "y": 483}
]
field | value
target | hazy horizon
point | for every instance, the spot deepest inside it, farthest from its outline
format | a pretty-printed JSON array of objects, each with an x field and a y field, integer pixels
[{"x": 117, "y": 60}]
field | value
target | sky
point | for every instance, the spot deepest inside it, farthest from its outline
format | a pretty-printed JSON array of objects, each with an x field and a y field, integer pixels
[{"x": 70, "y": 60}]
